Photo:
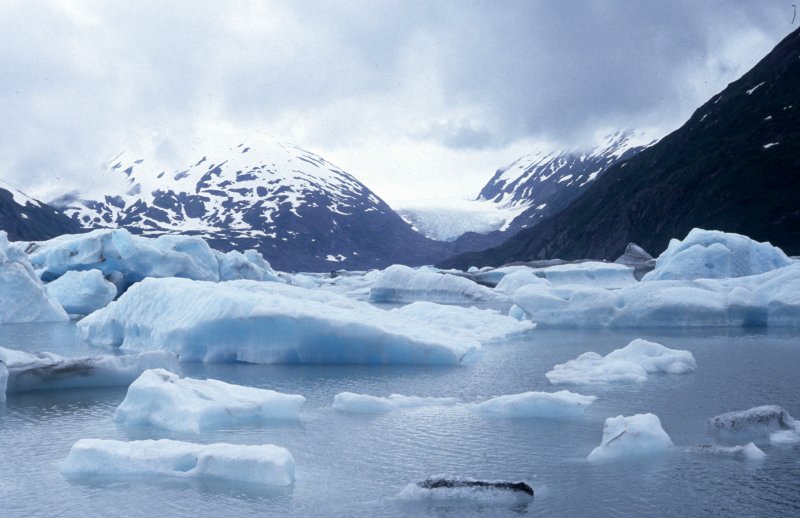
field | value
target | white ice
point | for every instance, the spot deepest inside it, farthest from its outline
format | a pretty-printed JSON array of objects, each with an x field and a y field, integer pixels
[
  {"x": 592, "y": 273},
  {"x": 631, "y": 437},
  {"x": 400, "y": 283},
  {"x": 366, "y": 404},
  {"x": 711, "y": 254},
  {"x": 768, "y": 423},
  {"x": 631, "y": 363},
  {"x": 38, "y": 371},
  {"x": 256, "y": 464},
  {"x": 81, "y": 292},
  {"x": 548, "y": 405},
  {"x": 23, "y": 297},
  {"x": 267, "y": 322},
  {"x": 249, "y": 265},
  {"x": 162, "y": 399}
]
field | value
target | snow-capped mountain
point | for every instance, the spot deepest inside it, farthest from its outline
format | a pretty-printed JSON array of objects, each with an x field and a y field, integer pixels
[
  {"x": 300, "y": 211},
  {"x": 27, "y": 219}
]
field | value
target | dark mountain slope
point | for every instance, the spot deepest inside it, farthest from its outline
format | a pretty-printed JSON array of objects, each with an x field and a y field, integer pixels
[{"x": 26, "y": 219}]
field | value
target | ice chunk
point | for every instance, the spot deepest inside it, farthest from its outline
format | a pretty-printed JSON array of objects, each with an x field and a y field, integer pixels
[
  {"x": 366, "y": 404},
  {"x": 81, "y": 292},
  {"x": 23, "y": 297},
  {"x": 748, "y": 451},
  {"x": 710, "y": 254},
  {"x": 762, "y": 423},
  {"x": 548, "y": 405},
  {"x": 251, "y": 265},
  {"x": 628, "y": 437},
  {"x": 628, "y": 364},
  {"x": 403, "y": 284},
  {"x": 593, "y": 273},
  {"x": 443, "y": 487},
  {"x": 40, "y": 371},
  {"x": 162, "y": 399},
  {"x": 256, "y": 464},
  {"x": 513, "y": 281},
  {"x": 267, "y": 322},
  {"x": 3, "y": 381}
]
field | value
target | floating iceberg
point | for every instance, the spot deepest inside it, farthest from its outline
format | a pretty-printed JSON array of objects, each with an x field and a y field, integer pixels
[
  {"x": 631, "y": 363},
  {"x": 162, "y": 399},
  {"x": 749, "y": 451},
  {"x": 768, "y": 299},
  {"x": 710, "y": 254},
  {"x": 366, "y": 404},
  {"x": 249, "y": 265},
  {"x": 592, "y": 273},
  {"x": 23, "y": 297},
  {"x": 468, "y": 489},
  {"x": 547, "y": 405},
  {"x": 3, "y": 381},
  {"x": 513, "y": 281},
  {"x": 628, "y": 437},
  {"x": 81, "y": 292},
  {"x": 260, "y": 322},
  {"x": 403, "y": 284},
  {"x": 41, "y": 371},
  {"x": 256, "y": 464},
  {"x": 763, "y": 423}
]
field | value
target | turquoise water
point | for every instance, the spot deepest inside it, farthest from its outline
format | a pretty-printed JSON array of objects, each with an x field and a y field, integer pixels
[{"x": 356, "y": 465}]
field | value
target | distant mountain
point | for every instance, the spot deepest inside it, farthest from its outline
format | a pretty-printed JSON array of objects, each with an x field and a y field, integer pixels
[
  {"x": 300, "y": 211},
  {"x": 26, "y": 219},
  {"x": 733, "y": 166}
]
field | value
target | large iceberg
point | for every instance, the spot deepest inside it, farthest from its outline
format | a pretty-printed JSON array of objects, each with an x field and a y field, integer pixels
[
  {"x": 631, "y": 363},
  {"x": 257, "y": 464},
  {"x": 548, "y": 405},
  {"x": 763, "y": 423},
  {"x": 260, "y": 322},
  {"x": 366, "y": 404},
  {"x": 768, "y": 299},
  {"x": 400, "y": 283},
  {"x": 38, "y": 371},
  {"x": 165, "y": 400},
  {"x": 23, "y": 297},
  {"x": 131, "y": 258},
  {"x": 630, "y": 437},
  {"x": 81, "y": 292},
  {"x": 711, "y": 254}
]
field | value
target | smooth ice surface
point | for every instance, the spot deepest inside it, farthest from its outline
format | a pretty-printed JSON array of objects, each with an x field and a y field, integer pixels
[
  {"x": 748, "y": 451},
  {"x": 366, "y": 404},
  {"x": 631, "y": 363},
  {"x": 768, "y": 299},
  {"x": 257, "y": 464},
  {"x": 762, "y": 423},
  {"x": 165, "y": 400},
  {"x": 81, "y": 292},
  {"x": 548, "y": 405},
  {"x": 593, "y": 273},
  {"x": 23, "y": 297},
  {"x": 400, "y": 283},
  {"x": 261, "y": 322},
  {"x": 711, "y": 254},
  {"x": 43, "y": 370},
  {"x": 630, "y": 437},
  {"x": 118, "y": 252}
]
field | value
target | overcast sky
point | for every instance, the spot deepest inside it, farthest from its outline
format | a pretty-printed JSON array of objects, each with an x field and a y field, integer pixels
[{"x": 416, "y": 99}]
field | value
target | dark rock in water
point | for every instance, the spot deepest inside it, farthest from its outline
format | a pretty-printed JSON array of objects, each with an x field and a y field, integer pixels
[
  {"x": 637, "y": 258},
  {"x": 450, "y": 483}
]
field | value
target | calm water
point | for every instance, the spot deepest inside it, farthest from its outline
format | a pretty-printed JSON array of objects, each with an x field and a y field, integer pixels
[{"x": 351, "y": 465}]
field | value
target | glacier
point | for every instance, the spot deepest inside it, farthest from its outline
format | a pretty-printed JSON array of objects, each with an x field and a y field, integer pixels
[
  {"x": 400, "y": 283},
  {"x": 631, "y": 437},
  {"x": 366, "y": 404},
  {"x": 631, "y": 363},
  {"x": 256, "y": 464},
  {"x": 81, "y": 292},
  {"x": 548, "y": 405},
  {"x": 162, "y": 399}
]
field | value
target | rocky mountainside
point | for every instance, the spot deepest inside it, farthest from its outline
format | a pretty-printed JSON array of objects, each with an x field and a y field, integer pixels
[
  {"x": 26, "y": 219},
  {"x": 733, "y": 166}
]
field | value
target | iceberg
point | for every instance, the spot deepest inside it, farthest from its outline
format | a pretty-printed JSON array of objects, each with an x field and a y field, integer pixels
[
  {"x": 366, "y": 404},
  {"x": 591, "y": 273},
  {"x": 256, "y": 464},
  {"x": 162, "y": 399},
  {"x": 749, "y": 451},
  {"x": 23, "y": 297},
  {"x": 768, "y": 423},
  {"x": 486, "y": 492},
  {"x": 267, "y": 322},
  {"x": 81, "y": 292},
  {"x": 513, "y": 281},
  {"x": 42, "y": 371},
  {"x": 3, "y": 381},
  {"x": 631, "y": 363},
  {"x": 711, "y": 254},
  {"x": 400, "y": 283},
  {"x": 630, "y": 437},
  {"x": 250, "y": 265},
  {"x": 548, "y": 405}
]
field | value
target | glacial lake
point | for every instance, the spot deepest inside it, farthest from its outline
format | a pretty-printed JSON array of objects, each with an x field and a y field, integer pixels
[{"x": 357, "y": 465}]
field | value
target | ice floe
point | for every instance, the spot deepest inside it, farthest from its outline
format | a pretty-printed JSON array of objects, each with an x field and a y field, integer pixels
[
  {"x": 366, "y": 404},
  {"x": 81, "y": 292},
  {"x": 400, "y": 283},
  {"x": 748, "y": 451},
  {"x": 548, "y": 405},
  {"x": 451, "y": 488},
  {"x": 768, "y": 423},
  {"x": 630, "y": 437},
  {"x": 631, "y": 363},
  {"x": 257, "y": 464},
  {"x": 163, "y": 399}
]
